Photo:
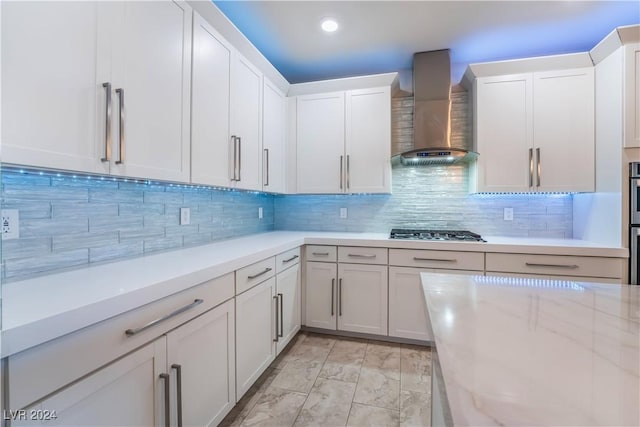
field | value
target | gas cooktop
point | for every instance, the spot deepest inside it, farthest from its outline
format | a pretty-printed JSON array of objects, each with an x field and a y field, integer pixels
[{"x": 460, "y": 235}]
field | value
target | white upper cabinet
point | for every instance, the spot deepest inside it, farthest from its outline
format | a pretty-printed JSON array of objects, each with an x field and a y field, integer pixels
[
  {"x": 274, "y": 108},
  {"x": 563, "y": 129},
  {"x": 210, "y": 143},
  {"x": 246, "y": 123},
  {"x": 368, "y": 140},
  {"x": 104, "y": 88},
  {"x": 529, "y": 127},
  {"x": 53, "y": 102},
  {"x": 632, "y": 95},
  {"x": 320, "y": 143},
  {"x": 152, "y": 78}
]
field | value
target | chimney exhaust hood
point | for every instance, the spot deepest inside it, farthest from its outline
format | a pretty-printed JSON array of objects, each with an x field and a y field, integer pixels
[{"x": 432, "y": 112}]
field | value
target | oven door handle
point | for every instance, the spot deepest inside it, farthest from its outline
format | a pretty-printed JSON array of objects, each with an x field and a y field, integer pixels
[{"x": 633, "y": 256}]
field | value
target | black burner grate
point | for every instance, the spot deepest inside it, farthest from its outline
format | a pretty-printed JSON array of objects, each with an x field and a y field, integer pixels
[{"x": 461, "y": 235}]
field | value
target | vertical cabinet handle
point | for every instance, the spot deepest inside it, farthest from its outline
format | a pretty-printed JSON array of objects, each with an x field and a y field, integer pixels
[
  {"x": 348, "y": 174},
  {"x": 167, "y": 400},
  {"x": 333, "y": 287},
  {"x": 239, "y": 158},
  {"x": 266, "y": 157},
  {"x": 340, "y": 297},
  {"x": 107, "y": 123},
  {"x": 538, "y": 165},
  {"x": 232, "y": 175},
  {"x": 178, "y": 369},
  {"x": 120, "y": 93},
  {"x": 281, "y": 315},
  {"x": 341, "y": 158},
  {"x": 275, "y": 297},
  {"x": 530, "y": 167}
]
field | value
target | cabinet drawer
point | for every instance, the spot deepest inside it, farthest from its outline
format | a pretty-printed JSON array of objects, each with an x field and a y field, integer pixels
[
  {"x": 555, "y": 265},
  {"x": 360, "y": 255},
  {"x": 37, "y": 372},
  {"x": 249, "y": 276},
  {"x": 450, "y": 260},
  {"x": 321, "y": 253},
  {"x": 287, "y": 259}
]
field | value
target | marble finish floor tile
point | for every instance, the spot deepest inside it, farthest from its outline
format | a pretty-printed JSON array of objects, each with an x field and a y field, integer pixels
[
  {"x": 322, "y": 380},
  {"x": 328, "y": 404},
  {"x": 363, "y": 415}
]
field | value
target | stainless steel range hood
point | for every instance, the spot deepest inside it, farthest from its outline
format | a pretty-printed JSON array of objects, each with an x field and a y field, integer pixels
[{"x": 432, "y": 112}]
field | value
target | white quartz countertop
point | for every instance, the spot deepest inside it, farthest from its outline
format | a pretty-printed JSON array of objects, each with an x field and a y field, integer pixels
[
  {"x": 40, "y": 309},
  {"x": 533, "y": 352}
]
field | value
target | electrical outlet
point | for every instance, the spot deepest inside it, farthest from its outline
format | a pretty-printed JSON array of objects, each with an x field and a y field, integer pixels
[
  {"x": 10, "y": 224},
  {"x": 343, "y": 213},
  {"x": 508, "y": 214},
  {"x": 185, "y": 216},
  {"x": 259, "y": 213}
]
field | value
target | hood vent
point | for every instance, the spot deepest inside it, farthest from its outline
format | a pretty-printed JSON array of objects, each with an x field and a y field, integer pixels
[{"x": 432, "y": 112}]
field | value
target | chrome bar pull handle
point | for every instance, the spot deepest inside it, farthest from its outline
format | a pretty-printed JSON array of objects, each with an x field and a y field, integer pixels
[
  {"x": 232, "y": 174},
  {"x": 239, "y": 159},
  {"x": 369, "y": 256},
  {"x": 341, "y": 161},
  {"x": 281, "y": 335},
  {"x": 530, "y": 167},
  {"x": 167, "y": 400},
  {"x": 276, "y": 339},
  {"x": 340, "y": 297},
  {"x": 348, "y": 174},
  {"x": 320, "y": 253},
  {"x": 178, "y": 369},
  {"x": 569, "y": 266},
  {"x": 333, "y": 288},
  {"x": 538, "y": 166},
  {"x": 284, "y": 261},
  {"x": 415, "y": 258},
  {"x": 265, "y": 271},
  {"x": 107, "y": 123},
  {"x": 120, "y": 93},
  {"x": 132, "y": 332},
  {"x": 266, "y": 177}
]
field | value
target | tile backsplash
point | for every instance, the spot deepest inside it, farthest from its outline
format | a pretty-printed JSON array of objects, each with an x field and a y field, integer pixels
[
  {"x": 430, "y": 197},
  {"x": 68, "y": 221}
]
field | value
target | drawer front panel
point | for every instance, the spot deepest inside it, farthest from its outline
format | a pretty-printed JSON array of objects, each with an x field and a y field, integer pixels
[
  {"x": 287, "y": 259},
  {"x": 362, "y": 255},
  {"x": 450, "y": 260},
  {"x": 321, "y": 253},
  {"x": 36, "y": 372},
  {"x": 555, "y": 265},
  {"x": 249, "y": 276}
]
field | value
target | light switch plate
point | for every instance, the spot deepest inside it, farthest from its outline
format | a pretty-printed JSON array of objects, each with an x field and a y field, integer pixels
[
  {"x": 185, "y": 216},
  {"x": 260, "y": 213},
  {"x": 343, "y": 213},
  {"x": 10, "y": 224},
  {"x": 508, "y": 214}
]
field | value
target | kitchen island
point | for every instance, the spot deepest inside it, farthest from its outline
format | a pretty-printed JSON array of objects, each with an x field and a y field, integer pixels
[{"x": 520, "y": 351}]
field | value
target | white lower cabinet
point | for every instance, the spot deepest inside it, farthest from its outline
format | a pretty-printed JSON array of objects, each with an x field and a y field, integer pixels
[
  {"x": 288, "y": 315},
  {"x": 255, "y": 333},
  {"x": 362, "y": 298},
  {"x": 320, "y": 282},
  {"x": 202, "y": 355},
  {"x": 127, "y": 392}
]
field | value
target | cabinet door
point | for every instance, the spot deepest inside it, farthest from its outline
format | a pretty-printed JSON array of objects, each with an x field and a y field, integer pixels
[
  {"x": 128, "y": 392},
  {"x": 210, "y": 156},
  {"x": 204, "y": 351},
  {"x": 255, "y": 334},
  {"x": 152, "y": 64},
  {"x": 362, "y": 298},
  {"x": 407, "y": 307},
  {"x": 368, "y": 140},
  {"x": 564, "y": 130},
  {"x": 503, "y": 130},
  {"x": 320, "y": 143},
  {"x": 246, "y": 107},
  {"x": 53, "y": 102},
  {"x": 320, "y": 293},
  {"x": 273, "y": 138},
  {"x": 632, "y": 95},
  {"x": 288, "y": 285}
]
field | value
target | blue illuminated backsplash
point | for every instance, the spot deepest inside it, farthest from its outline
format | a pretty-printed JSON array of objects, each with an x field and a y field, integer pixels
[{"x": 69, "y": 221}]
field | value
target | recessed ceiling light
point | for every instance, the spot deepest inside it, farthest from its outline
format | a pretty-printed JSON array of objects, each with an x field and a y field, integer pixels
[{"x": 329, "y": 25}]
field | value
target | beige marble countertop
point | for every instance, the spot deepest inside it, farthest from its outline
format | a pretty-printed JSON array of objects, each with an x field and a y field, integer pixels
[{"x": 517, "y": 351}]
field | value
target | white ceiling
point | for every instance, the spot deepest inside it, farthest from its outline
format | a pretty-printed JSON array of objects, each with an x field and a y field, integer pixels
[{"x": 381, "y": 36}]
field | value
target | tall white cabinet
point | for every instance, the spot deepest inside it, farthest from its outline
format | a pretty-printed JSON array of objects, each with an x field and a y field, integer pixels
[
  {"x": 540, "y": 121},
  {"x": 108, "y": 84},
  {"x": 274, "y": 124}
]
